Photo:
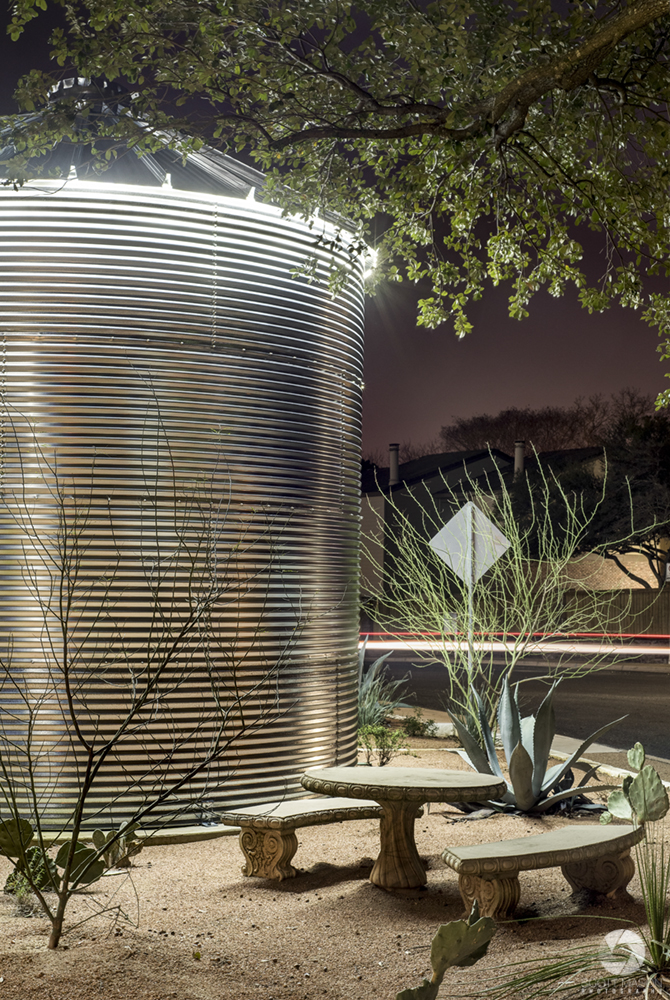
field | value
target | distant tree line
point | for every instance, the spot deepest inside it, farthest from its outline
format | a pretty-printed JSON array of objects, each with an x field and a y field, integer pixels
[
  {"x": 582, "y": 425},
  {"x": 552, "y": 428}
]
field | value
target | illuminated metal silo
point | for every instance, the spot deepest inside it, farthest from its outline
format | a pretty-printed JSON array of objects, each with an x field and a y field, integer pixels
[{"x": 164, "y": 368}]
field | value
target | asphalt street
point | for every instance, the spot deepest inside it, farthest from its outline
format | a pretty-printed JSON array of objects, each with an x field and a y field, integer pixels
[{"x": 582, "y": 705}]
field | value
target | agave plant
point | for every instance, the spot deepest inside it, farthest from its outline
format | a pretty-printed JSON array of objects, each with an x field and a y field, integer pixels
[
  {"x": 532, "y": 786},
  {"x": 378, "y": 697}
]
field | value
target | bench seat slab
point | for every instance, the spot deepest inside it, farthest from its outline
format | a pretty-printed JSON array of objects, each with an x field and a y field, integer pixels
[
  {"x": 590, "y": 857},
  {"x": 267, "y": 837}
]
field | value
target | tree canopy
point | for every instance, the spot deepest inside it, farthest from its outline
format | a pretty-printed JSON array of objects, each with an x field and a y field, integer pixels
[
  {"x": 627, "y": 511},
  {"x": 471, "y": 141}
]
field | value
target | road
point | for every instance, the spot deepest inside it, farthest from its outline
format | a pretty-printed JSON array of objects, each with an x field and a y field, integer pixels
[{"x": 582, "y": 705}]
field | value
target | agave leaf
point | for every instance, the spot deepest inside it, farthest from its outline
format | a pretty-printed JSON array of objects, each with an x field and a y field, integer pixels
[
  {"x": 521, "y": 776},
  {"x": 477, "y": 756},
  {"x": 543, "y": 737},
  {"x": 618, "y": 805},
  {"x": 552, "y": 777},
  {"x": 15, "y": 834},
  {"x": 508, "y": 720},
  {"x": 569, "y": 793},
  {"x": 648, "y": 796},
  {"x": 487, "y": 736},
  {"x": 636, "y": 757},
  {"x": 588, "y": 774},
  {"x": 558, "y": 772},
  {"x": 528, "y": 733}
]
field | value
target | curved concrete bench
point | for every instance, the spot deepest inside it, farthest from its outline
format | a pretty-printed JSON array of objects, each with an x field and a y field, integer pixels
[
  {"x": 590, "y": 856},
  {"x": 268, "y": 839}
]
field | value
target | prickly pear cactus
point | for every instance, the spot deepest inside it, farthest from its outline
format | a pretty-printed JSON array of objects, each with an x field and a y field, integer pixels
[
  {"x": 459, "y": 943},
  {"x": 85, "y": 869},
  {"x": 43, "y": 872},
  {"x": 14, "y": 835},
  {"x": 642, "y": 798},
  {"x": 119, "y": 853}
]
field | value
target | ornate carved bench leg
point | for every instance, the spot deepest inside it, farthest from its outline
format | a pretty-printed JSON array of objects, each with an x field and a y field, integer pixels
[
  {"x": 497, "y": 897},
  {"x": 268, "y": 853},
  {"x": 609, "y": 874}
]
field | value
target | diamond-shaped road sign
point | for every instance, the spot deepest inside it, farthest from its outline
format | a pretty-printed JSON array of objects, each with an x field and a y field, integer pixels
[{"x": 469, "y": 535}]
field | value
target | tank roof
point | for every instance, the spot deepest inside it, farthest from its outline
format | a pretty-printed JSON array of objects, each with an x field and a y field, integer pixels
[{"x": 207, "y": 171}]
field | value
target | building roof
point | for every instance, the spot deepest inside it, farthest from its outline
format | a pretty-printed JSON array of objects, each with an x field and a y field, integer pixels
[{"x": 375, "y": 479}]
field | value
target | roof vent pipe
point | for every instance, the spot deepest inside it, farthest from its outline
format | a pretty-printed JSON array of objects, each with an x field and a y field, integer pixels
[
  {"x": 519, "y": 452},
  {"x": 394, "y": 465}
]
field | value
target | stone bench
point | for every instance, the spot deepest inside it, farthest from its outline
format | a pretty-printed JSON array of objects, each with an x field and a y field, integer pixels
[
  {"x": 590, "y": 856},
  {"x": 268, "y": 839}
]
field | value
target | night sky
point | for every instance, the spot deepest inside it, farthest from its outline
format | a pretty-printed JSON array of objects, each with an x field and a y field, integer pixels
[{"x": 416, "y": 380}]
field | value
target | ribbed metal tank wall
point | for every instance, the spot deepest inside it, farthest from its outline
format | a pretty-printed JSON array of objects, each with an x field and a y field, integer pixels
[{"x": 198, "y": 408}]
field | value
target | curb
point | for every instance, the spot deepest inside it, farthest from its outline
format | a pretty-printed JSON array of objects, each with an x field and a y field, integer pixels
[{"x": 156, "y": 838}]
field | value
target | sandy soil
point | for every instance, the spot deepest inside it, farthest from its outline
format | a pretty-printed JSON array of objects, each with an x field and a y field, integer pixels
[{"x": 201, "y": 931}]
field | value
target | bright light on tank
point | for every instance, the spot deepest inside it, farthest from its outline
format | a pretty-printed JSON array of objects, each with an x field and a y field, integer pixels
[{"x": 370, "y": 263}]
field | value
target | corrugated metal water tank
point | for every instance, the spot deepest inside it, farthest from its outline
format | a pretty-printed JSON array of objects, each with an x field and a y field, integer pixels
[{"x": 180, "y": 450}]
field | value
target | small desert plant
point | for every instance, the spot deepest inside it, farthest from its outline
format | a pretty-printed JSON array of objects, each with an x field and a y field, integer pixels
[
  {"x": 41, "y": 868},
  {"x": 382, "y": 742},
  {"x": 579, "y": 972},
  {"x": 118, "y": 848},
  {"x": 533, "y": 786},
  {"x": 416, "y": 725},
  {"x": 378, "y": 697},
  {"x": 27, "y": 903},
  {"x": 643, "y": 799},
  {"x": 458, "y": 943}
]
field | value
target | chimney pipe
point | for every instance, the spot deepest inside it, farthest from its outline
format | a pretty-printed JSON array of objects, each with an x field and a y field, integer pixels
[
  {"x": 394, "y": 466},
  {"x": 519, "y": 452}
]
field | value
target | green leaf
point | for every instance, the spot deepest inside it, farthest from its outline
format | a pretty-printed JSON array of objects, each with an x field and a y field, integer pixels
[
  {"x": 14, "y": 834},
  {"x": 557, "y": 773},
  {"x": 427, "y": 991},
  {"x": 487, "y": 735},
  {"x": 543, "y": 737},
  {"x": 648, "y": 796},
  {"x": 477, "y": 756},
  {"x": 636, "y": 757},
  {"x": 460, "y": 943},
  {"x": 508, "y": 720},
  {"x": 99, "y": 839},
  {"x": 82, "y": 872},
  {"x": 606, "y": 818},
  {"x": 618, "y": 805},
  {"x": 521, "y": 776}
]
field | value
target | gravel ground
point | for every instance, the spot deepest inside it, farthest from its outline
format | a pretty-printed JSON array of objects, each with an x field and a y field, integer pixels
[{"x": 199, "y": 929}]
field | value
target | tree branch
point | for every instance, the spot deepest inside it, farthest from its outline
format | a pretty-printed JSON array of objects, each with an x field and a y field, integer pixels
[{"x": 507, "y": 110}]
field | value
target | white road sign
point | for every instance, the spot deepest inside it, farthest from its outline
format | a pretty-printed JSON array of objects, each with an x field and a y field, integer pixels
[{"x": 469, "y": 543}]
